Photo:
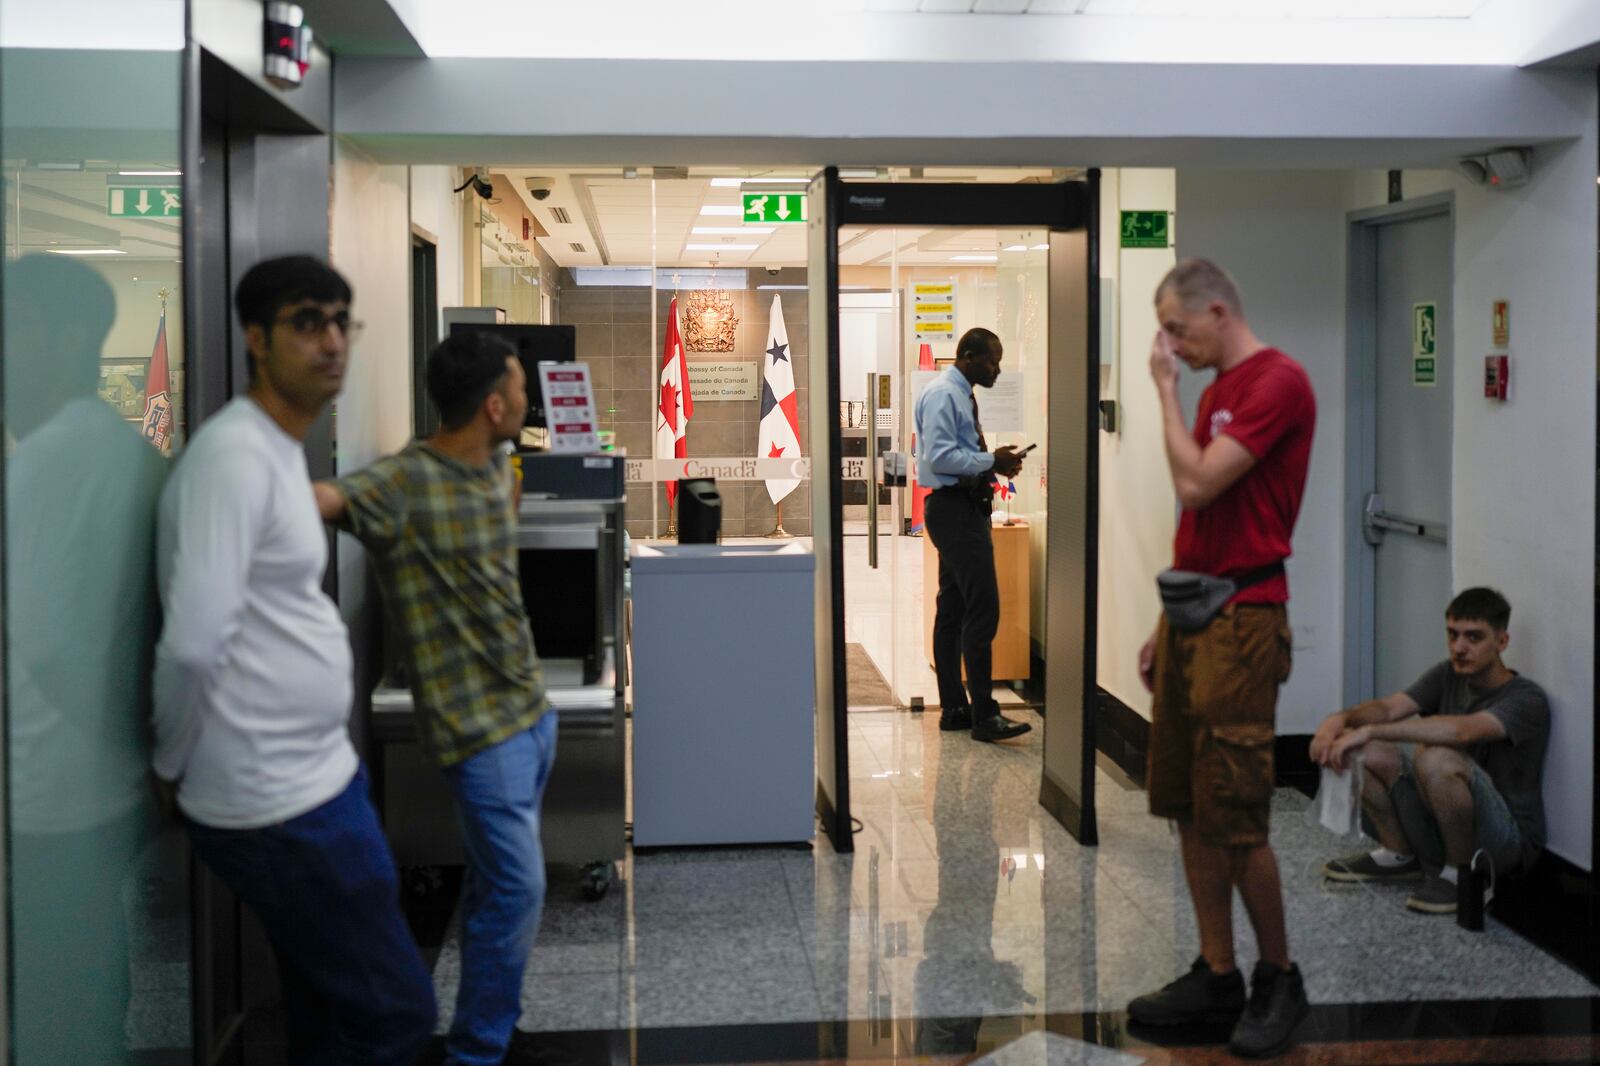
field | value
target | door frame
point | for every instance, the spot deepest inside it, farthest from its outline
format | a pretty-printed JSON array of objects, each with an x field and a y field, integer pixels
[
  {"x": 1070, "y": 212},
  {"x": 1361, "y": 413}
]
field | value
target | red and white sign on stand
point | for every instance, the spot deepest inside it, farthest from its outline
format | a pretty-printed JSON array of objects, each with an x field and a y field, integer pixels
[{"x": 569, "y": 407}]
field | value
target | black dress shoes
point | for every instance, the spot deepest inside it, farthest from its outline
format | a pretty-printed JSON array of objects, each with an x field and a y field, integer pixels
[
  {"x": 955, "y": 718},
  {"x": 998, "y": 727}
]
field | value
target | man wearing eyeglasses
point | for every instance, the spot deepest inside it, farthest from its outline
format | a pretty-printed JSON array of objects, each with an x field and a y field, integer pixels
[{"x": 253, "y": 689}]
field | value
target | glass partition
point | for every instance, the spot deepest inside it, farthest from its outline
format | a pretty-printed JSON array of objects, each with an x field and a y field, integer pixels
[{"x": 92, "y": 369}]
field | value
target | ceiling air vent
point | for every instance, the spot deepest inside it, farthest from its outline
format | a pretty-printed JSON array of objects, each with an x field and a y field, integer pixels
[
  {"x": 576, "y": 247},
  {"x": 561, "y": 216}
]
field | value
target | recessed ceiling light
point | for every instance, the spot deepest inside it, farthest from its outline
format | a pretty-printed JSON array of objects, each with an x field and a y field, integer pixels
[
  {"x": 724, "y": 210},
  {"x": 734, "y": 231},
  {"x": 734, "y": 183},
  {"x": 974, "y": 259},
  {"x": 87, "y": 251},
  {"x": 720, "y": 247}
]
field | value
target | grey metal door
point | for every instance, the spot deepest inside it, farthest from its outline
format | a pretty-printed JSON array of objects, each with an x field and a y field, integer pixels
[{"x": 1406, "y": 508}]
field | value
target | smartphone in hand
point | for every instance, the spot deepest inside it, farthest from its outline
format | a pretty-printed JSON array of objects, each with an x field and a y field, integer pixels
[{"x": 1026, "y": 450}]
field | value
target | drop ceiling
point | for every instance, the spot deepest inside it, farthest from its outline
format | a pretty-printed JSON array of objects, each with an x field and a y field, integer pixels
[{"x": 601, "y": 217}]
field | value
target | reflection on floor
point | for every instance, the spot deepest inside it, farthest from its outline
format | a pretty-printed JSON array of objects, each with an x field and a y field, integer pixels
[
  {"x": 883, "y": 613},
  {"x": 967, "y": 918}
]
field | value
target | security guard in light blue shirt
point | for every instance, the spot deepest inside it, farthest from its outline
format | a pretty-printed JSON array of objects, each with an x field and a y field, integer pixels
[{"x": 954, "y": 461}]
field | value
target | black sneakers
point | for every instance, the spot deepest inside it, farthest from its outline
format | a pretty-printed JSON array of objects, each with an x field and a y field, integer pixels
[
  {"x": 1200, "y": 995},
  {"x": 1277, "y": 1006}
]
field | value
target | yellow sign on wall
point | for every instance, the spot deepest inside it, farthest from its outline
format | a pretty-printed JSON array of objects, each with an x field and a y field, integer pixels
[{"x": 933, "y": 310}]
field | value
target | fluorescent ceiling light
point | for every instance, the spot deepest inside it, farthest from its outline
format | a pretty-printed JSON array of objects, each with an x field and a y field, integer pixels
[
  {"x": 87, "y": 251},
  {"x": 1016, "y": 247},
  {"x": 149, "y": 173},
  {"x": 720, "y": 247},
  {"x": 1041, "y": 247},
  {"x": 974, "y": 259},
  {"x": 734, "y": 183},
  {"x": 722, "y": 209},
  {"x": 734, "y": 231}
]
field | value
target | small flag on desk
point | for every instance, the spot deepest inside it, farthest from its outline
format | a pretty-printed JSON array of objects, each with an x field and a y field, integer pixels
[{"x": 1005, "y": 489}]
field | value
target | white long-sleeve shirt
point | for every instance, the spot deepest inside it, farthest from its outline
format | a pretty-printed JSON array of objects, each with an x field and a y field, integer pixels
[{"x": 253, "y": 670}]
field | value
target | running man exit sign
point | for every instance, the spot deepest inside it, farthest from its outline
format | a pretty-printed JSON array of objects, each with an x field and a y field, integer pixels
[{"x": 1146, "y": 229}]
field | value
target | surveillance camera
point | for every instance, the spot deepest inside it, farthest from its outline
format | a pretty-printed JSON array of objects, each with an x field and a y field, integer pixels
[
  {"x": 540, "y": 188},
  {"x": 773, "y": 271},
  {"x": 479, "y": 183}
]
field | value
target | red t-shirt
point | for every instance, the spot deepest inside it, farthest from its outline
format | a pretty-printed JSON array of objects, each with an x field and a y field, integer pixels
[{"x": 1266, "y": 404}]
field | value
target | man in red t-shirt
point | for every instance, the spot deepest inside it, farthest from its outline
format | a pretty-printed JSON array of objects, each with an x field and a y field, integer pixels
[{"x": 1239, "y": 475}]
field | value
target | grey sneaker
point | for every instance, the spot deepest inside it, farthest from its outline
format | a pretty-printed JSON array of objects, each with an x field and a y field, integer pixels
[
  {"x": 1277, "y": 1007},
  {"x": 1363, "y": 867},
  {"x": 1436, "y": 896}
]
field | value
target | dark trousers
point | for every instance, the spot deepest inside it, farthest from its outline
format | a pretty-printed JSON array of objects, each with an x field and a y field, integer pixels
[
  {"x": 324, "y": 885},
  {"x": 968, "y": 612}
]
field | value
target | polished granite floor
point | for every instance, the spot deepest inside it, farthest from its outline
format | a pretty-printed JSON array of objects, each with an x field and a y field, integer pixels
[{"x": 965, "y": 906}]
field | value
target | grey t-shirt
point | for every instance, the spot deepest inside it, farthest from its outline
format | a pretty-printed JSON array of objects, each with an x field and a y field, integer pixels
[{"x": 1515, "y": 764}]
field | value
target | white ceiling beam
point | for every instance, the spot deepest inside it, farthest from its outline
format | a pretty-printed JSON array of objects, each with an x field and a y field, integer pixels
[{"x": 1032, "y": 114}]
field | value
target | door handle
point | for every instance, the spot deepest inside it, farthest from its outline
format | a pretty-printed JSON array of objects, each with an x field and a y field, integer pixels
[{"x": 1375, "y": 522}]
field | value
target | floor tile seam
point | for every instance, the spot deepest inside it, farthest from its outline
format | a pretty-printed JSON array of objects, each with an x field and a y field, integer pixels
[{"x": 1112, "y": 1020}]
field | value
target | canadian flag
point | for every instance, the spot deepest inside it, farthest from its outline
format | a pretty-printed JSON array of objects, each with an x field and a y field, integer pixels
[
  {"x": 157, "y": 424},
  {"x": 780, "y": 413},
  {"x": 677, "y": 406}
]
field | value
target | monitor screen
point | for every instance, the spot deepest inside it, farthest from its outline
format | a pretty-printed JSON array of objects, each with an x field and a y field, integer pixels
[{"x": 534, "y": 345}]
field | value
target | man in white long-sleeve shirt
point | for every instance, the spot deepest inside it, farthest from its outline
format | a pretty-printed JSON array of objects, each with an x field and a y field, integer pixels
[{"x": 253, "y": 689}]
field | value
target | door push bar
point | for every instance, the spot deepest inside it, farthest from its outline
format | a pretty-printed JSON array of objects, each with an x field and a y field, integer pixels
[{"x": 1375, "y": 522}]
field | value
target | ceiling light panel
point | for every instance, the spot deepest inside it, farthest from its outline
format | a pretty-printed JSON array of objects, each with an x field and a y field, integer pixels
[{"x": 1285, "y": 9}]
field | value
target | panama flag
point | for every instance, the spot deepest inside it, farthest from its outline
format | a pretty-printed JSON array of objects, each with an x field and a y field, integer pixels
[
  {"x": 677, "y": 406},
  {"x": 1006, "y": 489},
  {"x": 157, "y": 427},
  {"x": 780, "y": 412}
]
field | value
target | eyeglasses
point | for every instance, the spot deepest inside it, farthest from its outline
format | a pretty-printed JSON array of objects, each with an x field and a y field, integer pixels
[{"x": 309, "y": 322}]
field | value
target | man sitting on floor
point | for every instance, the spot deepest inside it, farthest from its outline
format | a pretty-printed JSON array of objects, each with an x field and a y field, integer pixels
[{"x": 1474, "y": 781}]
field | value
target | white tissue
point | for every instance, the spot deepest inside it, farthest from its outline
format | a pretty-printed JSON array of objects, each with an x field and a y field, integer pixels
[{"x": 1337, "y": 807}]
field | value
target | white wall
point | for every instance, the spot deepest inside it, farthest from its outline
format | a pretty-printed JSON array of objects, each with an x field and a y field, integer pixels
[
  {"x": 1282, "y": 237},
  {"x": 1138, "y": 511},
  {"x": 437, "y": 210},
  {"x": 371, "y": 246},
  {"x": 1523, "y": 486}
]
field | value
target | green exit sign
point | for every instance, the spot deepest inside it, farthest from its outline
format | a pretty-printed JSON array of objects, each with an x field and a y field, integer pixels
[
  {"x": 144, "y": 201},
  {"x": 774, "y": 207},
  {"x": 1145, "y": 229}
]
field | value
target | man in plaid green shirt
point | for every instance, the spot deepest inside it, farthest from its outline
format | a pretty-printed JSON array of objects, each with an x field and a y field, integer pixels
[{"x": 439, "y": 520}]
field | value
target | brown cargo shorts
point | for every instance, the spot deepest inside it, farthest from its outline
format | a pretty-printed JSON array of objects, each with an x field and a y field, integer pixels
[{"x": 1211, "y": 730}]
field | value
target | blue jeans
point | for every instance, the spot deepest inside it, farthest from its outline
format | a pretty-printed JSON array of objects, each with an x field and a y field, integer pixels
[
  {"x": 498, "y": 793},
  {"x": 1494, "y": 829},
  {"x": 324, "y": 885}
]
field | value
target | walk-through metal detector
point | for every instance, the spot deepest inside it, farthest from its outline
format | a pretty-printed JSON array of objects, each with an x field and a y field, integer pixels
[{"x": 1070, "y": 211}]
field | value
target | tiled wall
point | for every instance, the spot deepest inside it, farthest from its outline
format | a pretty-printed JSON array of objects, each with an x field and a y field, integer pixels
[{"x": 615, "y": 339}]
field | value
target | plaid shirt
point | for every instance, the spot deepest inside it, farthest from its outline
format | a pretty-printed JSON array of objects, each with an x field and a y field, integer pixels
[{"x": 443, "y": 534}]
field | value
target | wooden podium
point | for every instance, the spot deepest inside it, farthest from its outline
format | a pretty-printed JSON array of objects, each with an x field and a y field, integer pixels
[{"x": 1011, "y": 642}]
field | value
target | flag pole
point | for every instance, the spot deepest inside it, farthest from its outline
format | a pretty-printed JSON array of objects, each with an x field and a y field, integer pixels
[{"x": 778, "y": 532}]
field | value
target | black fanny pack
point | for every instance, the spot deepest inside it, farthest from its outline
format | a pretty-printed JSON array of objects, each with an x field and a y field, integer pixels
[{"x": 1191, "y": 599}]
